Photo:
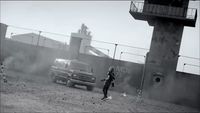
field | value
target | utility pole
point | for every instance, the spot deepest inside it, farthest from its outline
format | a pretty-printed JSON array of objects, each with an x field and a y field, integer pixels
[
  {"x": 115, "y": 51},
  {"x": 120, "y": 55},
  {"x": 11, "y": 35},
  {"x": 38, "y": 38},
  {"x": 113, "y": 63}
]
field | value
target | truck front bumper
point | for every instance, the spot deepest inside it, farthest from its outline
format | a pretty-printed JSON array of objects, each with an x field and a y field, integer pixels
[{"x": 79, "y": 82}]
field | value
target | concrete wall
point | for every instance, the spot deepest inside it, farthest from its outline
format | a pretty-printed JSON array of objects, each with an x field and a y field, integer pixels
[
  {"x": 32, "y": 59},
  {"x": 29, "y": 58},
  {"x": 182, "y": 89},
  {"x": 185, "y": 89}
]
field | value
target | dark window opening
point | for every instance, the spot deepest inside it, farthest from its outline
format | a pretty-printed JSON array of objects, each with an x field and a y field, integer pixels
[{"x": 157, "y": 79}]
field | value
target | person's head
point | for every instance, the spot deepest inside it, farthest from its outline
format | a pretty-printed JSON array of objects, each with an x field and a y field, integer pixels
[{"x": 111, "y": 69}]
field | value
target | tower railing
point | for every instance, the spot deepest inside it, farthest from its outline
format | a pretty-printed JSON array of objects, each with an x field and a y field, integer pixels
[{"x": 162, "y": 10}]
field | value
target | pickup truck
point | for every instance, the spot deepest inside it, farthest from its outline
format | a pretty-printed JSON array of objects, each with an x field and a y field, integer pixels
[{"x": 73, "y": 72}]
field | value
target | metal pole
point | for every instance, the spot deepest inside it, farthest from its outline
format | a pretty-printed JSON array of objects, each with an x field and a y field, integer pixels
[
  {"x": 44, "y": 42},
  {"x": 113, "y": 63},
  {"x": 11, "y": 35},
  {"x": 120, "y": 55},
  {"x": 103, "y": 49},
  {"x": 143, "y": 74},
  {"x": 108, "y": 52},
  {"x": 38, "y": 38},
  {"x": 183, "y": 67},
  {"x": 32, "y": 40},
  {"x": 115, "y": 51}
]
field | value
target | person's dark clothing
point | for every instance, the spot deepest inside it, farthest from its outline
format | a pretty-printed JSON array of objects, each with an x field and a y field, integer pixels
[
  {"x": 111, "y": 76},
  {"x": 108, "y": 81}
]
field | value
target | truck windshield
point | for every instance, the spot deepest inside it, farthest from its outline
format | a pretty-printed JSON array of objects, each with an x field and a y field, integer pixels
[
  {"x": 80, "y": 66},
  {"x": 59, "y": 64}
]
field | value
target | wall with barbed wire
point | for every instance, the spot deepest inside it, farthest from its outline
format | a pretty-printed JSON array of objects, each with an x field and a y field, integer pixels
[{"x": 113, "y": 50}]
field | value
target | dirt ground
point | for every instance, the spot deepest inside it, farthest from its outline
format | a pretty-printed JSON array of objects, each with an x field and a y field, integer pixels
[{"x": 36, "y": 93}]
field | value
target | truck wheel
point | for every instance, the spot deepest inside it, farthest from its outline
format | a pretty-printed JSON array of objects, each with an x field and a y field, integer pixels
[
  {"x": 54, "y": 79},
  {"x": 69, "y": 83},
  {"x": 90, "y": 88}
]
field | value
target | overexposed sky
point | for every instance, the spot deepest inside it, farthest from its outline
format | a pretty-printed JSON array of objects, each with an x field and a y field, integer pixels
[{"x": 108, "y": 21}]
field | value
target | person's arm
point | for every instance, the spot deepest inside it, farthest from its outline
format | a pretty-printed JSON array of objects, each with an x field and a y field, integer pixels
[
  {"x": 113, "y": 76},
  {"x": 105, "y": 78}
]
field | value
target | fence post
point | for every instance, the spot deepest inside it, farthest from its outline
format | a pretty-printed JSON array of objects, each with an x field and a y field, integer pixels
[
  {"x": 115, "y": 51},
  {"x": 39, "y": 38}
]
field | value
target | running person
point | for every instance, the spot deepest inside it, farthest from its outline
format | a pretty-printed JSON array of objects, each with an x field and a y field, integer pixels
[{"x": 108, "y": 81}]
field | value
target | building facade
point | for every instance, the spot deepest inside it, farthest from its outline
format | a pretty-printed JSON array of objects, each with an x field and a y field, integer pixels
[{"x": 35, "y": 39}]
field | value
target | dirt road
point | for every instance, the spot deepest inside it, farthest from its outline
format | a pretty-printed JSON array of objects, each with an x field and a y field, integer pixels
[{"x": 34, "y": 93}]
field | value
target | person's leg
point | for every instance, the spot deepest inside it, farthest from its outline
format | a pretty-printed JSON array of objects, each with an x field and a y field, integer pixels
[
  {"x": 106, "y": 89},
  {"x": 104, "y": 92}
]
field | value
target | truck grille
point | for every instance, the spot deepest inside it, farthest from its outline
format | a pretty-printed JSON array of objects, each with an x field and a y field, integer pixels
[{"x": 84, "y": 78}]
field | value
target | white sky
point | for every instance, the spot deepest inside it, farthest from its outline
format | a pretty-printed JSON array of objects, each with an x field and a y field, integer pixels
[{"x": 108, "y": 21}]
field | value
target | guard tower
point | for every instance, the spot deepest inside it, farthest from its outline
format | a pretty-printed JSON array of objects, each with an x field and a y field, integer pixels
[{"x": 168, "y": 17}]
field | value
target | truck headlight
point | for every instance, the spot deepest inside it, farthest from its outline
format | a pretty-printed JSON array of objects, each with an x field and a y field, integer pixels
[
  {"x": 93, "y": 78},
  {"x": 74, "y": 75}
]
